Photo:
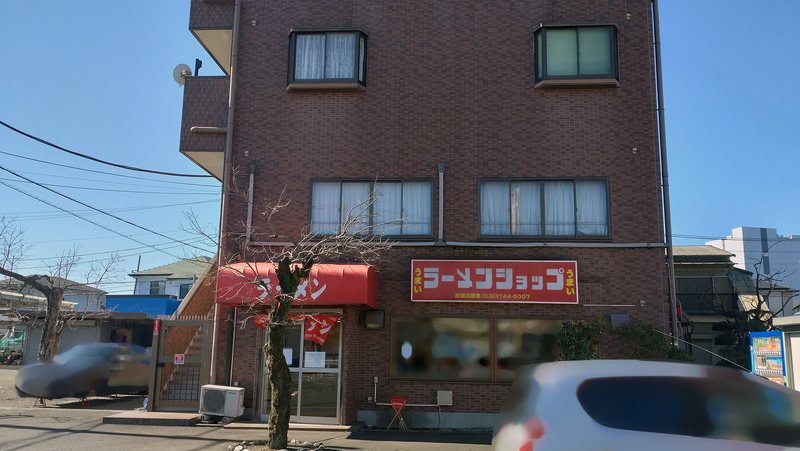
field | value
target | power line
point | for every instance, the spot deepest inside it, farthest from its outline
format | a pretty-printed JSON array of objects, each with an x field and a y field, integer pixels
[
  {"x": 78, "y": 154},
  {"x": 55, "y": 215},
  {"x": 105, "y": 173},
  {"x": 89, "y": 206},
  {"x": 118, "y": 190}
]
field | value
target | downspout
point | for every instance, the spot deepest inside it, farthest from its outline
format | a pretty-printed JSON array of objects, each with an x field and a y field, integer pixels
[
  {"x": 673, "y": 312},
  {"x": 440, "y": 241},
  {"x": 226, "y": 175},
  {"x": 250, "y": 204}
]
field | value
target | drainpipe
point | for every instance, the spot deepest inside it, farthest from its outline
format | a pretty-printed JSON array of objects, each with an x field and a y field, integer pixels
[
  {"x": 673, "y": 312},
  {"x": 226, "y": 176},
  {"x": 440, "y": 241}
]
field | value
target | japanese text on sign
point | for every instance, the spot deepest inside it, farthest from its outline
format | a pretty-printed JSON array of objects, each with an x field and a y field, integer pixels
[{"x": 494, "y": 281}]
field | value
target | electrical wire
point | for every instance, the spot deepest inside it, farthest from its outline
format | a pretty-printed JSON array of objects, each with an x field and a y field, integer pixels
[
  {"x": 105, "y": 173},
  {"x": 41, "y": 215},
  {"x": 90, "y": 207},
  {"x": 117, "y": 190},
  {"x": 78, "y": 154}
]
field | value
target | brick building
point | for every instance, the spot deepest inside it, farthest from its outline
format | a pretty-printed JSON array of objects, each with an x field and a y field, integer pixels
[{"x": 515, "y": 144}]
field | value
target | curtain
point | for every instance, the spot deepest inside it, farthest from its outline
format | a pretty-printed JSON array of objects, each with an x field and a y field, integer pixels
[
  {"x": 355, "y": 204},
  {"x": 361, "y": 50},
  {"x": 324, "y": 207},
  {"x": 387, "y": 218},
  {"x": 562, "y": 52},
  {"x": 340, "y": 55},
  {"x": 417, "y": 208},
  {"x": 595, "y": 50},
  {"x": 310, "y": 57},
  {"x": 495, "y": 217},
  {"x": 559, "y": 208},
  {"x": 592, "y": 214},
  {"x": 526, "y": 210}
]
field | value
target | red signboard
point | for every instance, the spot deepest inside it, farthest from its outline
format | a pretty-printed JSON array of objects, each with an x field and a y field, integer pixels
[
  {"x": 156, "y": 326},
  {"x": 519, "y": 281},
  {"x": 398, "y": 402}
]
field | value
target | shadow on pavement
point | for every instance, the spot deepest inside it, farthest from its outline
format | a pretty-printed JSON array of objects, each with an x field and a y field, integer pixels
[{"x": 467, "y": 438}]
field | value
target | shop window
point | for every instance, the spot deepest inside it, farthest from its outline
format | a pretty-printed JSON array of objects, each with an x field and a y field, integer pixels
[
  {"x": 576, "y": 56},
  {"x": 450, "y": 348},
  {"x": 327, "y": 60},
  {"x": 400, "y": 208},
  {"x": 157, "y": 287},
  {"x": 531, "y": 208}
]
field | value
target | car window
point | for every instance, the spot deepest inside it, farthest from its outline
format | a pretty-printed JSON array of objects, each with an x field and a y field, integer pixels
[
  {"x": 664, "y": 405},
  {"x": 101, "y": 352},
  {"x": 733, "y": 408}
]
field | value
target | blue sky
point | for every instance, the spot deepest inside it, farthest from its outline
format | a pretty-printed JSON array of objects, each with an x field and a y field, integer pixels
[{"x": 96, "y": 77}]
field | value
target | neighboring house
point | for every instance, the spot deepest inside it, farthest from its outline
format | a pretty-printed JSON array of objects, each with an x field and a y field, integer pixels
[
  {"x": 778, "y": 256},
  {"x": 78, "y": 296},
  {"x": 174, "y": 279},
  {"x": 704, "y": 287},
  {"x": 522, "y": 177}
]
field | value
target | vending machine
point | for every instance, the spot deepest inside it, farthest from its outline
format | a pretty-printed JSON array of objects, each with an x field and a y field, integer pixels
[{"x": 768, "y": 356}]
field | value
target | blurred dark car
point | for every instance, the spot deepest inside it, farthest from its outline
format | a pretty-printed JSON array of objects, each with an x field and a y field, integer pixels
[
  {"x": 625, "y": 405},
  {"x": 91, "y": 369}
]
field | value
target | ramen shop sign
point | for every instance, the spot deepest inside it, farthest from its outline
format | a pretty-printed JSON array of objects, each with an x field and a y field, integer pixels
[{"x": 520, "y": 281}]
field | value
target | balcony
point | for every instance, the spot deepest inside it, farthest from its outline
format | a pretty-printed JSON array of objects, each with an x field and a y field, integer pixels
[
  {"x": 204, "y": 122},
  {"x": 212, "y": 24},
  {"x": 707, "y": 304}
]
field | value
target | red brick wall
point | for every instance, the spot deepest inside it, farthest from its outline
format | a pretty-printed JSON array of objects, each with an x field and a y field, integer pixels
[{"x": 452, "y": 82}]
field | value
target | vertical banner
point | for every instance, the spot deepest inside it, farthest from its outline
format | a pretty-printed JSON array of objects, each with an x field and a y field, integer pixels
[
  {"x": 516, "y": 281},
  {"x": 767, "y": 356},
  {"x": 156, "y": 326}
]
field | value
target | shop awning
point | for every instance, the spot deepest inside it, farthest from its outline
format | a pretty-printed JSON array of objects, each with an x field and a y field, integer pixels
[{"x": 328, "y": 284}]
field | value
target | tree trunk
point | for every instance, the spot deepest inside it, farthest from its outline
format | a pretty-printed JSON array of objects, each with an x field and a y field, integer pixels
[
  {"x": 281, "y": 388},
  {"x": 51, "y": 337}
]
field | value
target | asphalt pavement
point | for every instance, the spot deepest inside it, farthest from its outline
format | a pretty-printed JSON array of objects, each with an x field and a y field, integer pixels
[{"x": 66, "y": 425}]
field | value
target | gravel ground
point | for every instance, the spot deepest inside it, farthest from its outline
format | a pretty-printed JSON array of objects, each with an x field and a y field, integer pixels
[{"x": 9, "y": 398}]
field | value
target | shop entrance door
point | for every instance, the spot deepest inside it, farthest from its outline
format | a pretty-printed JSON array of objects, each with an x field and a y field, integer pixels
[{"x": 316, "y": 374}]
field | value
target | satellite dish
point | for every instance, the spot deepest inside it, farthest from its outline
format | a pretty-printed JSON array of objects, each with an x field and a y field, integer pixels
[{"x": 180, "y": 73}]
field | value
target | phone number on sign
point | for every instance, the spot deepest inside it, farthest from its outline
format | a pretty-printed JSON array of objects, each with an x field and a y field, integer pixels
[{"x": 520, "y": 297}]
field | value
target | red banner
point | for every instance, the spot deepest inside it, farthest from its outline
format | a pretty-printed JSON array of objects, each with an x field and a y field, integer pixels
[
  {"x": 317, "y": 326},
  {"x": 516, "y": 281}
]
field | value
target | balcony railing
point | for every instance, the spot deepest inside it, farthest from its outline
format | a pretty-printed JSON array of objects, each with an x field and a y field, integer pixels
[{"x": 707, "y": 303}]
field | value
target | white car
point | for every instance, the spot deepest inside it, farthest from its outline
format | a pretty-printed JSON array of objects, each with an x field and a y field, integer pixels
[{"x": 627, "y": 405}]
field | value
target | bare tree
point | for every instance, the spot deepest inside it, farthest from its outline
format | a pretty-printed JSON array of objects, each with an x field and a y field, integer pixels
[
  {"x": 292, "y": 259},
  {"x": 52, "y": 285},
  {"x": 756, "y": 317},
  {"x": 12, "y": 240}
]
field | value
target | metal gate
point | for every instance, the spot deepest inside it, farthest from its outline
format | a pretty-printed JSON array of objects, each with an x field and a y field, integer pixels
[{"x": 180, "y": 365}]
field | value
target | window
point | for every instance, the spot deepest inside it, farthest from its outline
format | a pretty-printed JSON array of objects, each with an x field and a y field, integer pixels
[
  {"x": 157, "y": 287},
  {"x": 327, "y": 60},
  {"x": 552, "y": 208},
  {"x": 401, "y": 208},
  {"x": 442, "y": 348},
  {"x": 184, "y": 290},
  {"x": 576, "y": 56}
]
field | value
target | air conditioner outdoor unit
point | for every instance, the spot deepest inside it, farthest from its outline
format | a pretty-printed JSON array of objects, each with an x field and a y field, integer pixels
[{"x": 222, "y": 401}]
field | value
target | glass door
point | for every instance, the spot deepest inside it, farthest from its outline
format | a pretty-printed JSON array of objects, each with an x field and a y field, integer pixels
[{"x": 313, "y": 349}]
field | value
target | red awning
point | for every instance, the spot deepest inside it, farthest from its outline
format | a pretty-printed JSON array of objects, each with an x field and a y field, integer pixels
[{"x": 328, "y": 284}]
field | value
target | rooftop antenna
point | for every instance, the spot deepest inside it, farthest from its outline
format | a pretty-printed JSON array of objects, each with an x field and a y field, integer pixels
[
  {"x": 180, "y": 73},
  {"x": 197, "y": 65}
]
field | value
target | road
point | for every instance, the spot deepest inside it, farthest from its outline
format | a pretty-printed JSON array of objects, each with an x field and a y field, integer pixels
[{"x": 64, "y": 425}]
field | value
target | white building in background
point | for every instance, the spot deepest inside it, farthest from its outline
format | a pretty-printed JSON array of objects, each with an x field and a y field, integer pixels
[
  {"x": 174, "y": 279},
  {"x": 779, "y": 255}
]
